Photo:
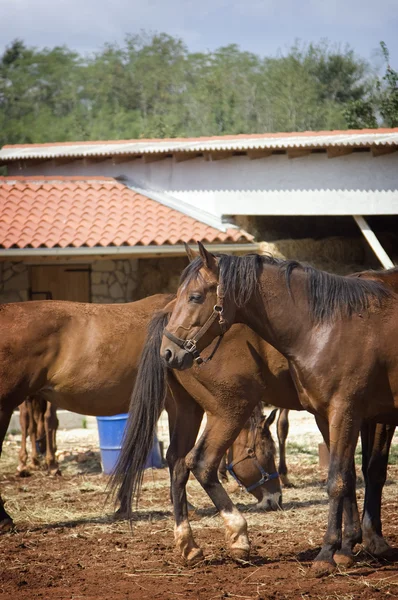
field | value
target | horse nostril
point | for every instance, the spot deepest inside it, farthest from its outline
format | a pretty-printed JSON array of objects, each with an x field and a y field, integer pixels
[{"x": 167, "y": 355}]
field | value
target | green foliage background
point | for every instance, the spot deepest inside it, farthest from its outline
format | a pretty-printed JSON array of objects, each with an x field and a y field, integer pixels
[{"x": 152, "y": 86}]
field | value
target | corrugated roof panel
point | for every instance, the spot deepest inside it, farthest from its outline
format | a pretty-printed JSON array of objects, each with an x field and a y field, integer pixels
[{"x": 274, "y": 141}]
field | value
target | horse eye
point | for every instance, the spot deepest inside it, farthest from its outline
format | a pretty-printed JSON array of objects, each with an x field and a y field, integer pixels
[{"x": 195, "y": 298}]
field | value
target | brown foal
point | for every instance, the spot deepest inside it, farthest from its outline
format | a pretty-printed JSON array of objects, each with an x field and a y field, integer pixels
[{"x": 339, "y": 335}]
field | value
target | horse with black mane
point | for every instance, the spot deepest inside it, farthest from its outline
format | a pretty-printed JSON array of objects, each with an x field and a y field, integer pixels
[
  {"x": 339, "y": 335},
  {"x": 246, "y": 368}
]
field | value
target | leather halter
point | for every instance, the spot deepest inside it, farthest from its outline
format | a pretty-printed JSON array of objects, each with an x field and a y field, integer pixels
[
  {"x": 189, "y": 345},
  {"x": 264, "y": 475}
]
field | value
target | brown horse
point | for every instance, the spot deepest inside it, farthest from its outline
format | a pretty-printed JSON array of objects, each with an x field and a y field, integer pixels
[
  {"x": 339, "y": 335},
  {"x": 244, "y": 369},
  {"x": 38, "y": 420},
  {"x": 84, "y": 358}
]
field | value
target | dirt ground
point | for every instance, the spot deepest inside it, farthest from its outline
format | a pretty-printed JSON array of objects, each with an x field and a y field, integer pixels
[{"x": 68, "y": 545}]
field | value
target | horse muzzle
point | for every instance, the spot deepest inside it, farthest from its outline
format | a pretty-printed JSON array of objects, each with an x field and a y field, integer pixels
[{"x": 176, "y": 358}]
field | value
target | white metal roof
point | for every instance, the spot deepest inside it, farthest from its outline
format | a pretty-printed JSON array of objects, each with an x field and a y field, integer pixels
[{"x": 272, "y": 141}]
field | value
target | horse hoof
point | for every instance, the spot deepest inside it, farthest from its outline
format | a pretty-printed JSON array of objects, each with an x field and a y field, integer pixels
[
  {"x": 240, "y": 554},
  {"x": 55, "y": 472},
  {"x": 322, "y": 568},
  {"x": 344, "y": 560},
  {"x": 379, "y": 548},
  {"x": 6, "y": 525},
  {"x": 23, "y": 472},
  {"x": 285, "y": 481},
  {"x": 194, "y": 557},
  {"x": 33, "y": 466}
]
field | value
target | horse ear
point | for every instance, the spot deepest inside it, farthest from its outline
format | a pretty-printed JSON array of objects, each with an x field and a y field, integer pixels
[
  {"x": 209, "y": 260},
  {"x": 271, "y": 418},
  {"x": 191, "y": 253}
]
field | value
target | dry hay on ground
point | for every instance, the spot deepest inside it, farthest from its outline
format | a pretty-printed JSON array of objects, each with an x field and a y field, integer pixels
[{"x": 68, "y": 544}]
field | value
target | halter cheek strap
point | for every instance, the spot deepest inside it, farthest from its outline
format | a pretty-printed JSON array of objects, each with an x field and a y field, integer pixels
[
  {"x": 189, "y": 345},
  {"x": 264, "y": 475}
]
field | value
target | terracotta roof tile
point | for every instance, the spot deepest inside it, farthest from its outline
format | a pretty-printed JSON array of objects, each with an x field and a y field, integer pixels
[{"x": 93, "y": 211}]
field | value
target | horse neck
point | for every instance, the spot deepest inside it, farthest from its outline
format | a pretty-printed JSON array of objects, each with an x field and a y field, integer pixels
[{"x": 281, "y": 317}]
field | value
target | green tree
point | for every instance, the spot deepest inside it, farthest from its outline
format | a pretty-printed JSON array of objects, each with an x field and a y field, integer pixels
[
  {"x": 388, "y": 89},
  {"x": 151, "y": 86},
  {"x": 380, "y": 104}
]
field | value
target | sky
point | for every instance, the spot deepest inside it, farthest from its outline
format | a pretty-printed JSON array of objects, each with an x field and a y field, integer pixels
[{"x": 264, "y": 27}]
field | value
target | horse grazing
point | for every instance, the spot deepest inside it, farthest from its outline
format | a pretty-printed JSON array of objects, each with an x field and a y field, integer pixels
[
  {"x": 339, "y": 335},
  {"x": 282, "y": 430},
  {"x": 38, "y": 419},
  {"x": 84, "y": 358}
]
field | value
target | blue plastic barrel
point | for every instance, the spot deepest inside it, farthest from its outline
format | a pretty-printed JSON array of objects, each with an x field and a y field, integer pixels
[{"x": 111, "y": 430}]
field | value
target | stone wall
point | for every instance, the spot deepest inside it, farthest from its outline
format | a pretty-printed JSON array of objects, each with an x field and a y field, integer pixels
[
  {"x": 129, "y": 280},
  {"x": 114, "y": 281},
  {"x": 14, "y": 282},
  {"x": 159, "y": 275}
]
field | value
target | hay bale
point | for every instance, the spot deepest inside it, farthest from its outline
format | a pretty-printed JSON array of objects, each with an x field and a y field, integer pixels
[{"x": 335, "y": 254}]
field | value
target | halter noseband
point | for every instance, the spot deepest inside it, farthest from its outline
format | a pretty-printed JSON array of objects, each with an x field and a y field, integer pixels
[
  {"x": 264, "y": 475},
  {"x": 189, "y": 345}
]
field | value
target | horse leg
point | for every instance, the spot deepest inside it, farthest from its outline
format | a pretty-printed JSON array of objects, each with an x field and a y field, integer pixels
[
  {"x": 39, "y": 405},
  {"x": 170, "y": 406},
  {"x": 23, "y": 421},
  {"x": 6, "y": 522},
  {"x": 51, "y": 426},
  {"x": 35, "y": 416},
  {"x": 344, "y": 429},
  {"x": 376, "y": 442},
  {"x": 204, "y": 460},
  {"x": 352, "y": 535},
  {"x": 222, "y": 469},
  {"x": 186, "y": 417},
  {"x": 282, "y": 429}
]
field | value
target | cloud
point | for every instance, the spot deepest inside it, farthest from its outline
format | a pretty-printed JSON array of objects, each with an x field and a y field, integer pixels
[{"x": 260, "y": 26}]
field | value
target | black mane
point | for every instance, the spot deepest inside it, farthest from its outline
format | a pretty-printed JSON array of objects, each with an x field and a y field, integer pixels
[{"x": 329, "y": 295}]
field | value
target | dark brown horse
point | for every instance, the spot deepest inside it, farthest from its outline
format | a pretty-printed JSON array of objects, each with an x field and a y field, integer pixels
[
  {"x": 38, "y": 420},
  {"x": 84, "y": 358},
  {"x": 244, "y": 369},
  {"x": 339, "y": 335}
]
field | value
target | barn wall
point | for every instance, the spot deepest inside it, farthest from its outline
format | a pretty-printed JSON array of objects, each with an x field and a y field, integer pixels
[{"x": 358, "y": 183}]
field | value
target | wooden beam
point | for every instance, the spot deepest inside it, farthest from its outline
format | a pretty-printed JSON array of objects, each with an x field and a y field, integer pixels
[
  {"x": 63, "y": 160},
  {"x": 183, "y": 156},
  {"x": 373, "y": 242},
  {"x": 336, "y": 152},
  {"x": 298, "y": 152},
  {"x": 382, "y": 150},
  {"x": 24, "y": 164},
  {"x": 93, "y": 160},
  {"x": 210, "y": 156},
  {"x": 258, "y": 153},
  {"x": 153, "y": 157},
  {"x": 118, "y": 159}
]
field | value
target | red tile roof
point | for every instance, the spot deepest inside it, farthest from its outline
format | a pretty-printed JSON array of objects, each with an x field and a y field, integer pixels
[{"x": 57, "y": 211}]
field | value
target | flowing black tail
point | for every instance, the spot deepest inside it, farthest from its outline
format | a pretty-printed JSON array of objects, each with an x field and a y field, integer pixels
[{"x": 146, "y": 404}]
